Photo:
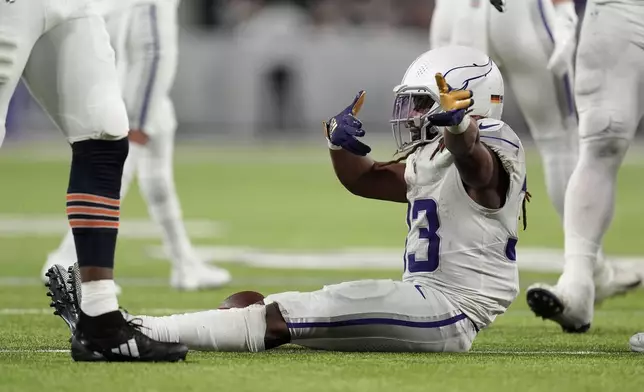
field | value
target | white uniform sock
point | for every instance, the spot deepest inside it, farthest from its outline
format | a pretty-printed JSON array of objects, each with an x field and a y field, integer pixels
[
  {"x": 99, "y": 297},
  {"x": 159, "y": 191},
  {"x": 212, "y": 330},
  {"x": 589, "y": 206},
  {"x": 558, "y": 167},
  {"x": 559, "y": 155}
]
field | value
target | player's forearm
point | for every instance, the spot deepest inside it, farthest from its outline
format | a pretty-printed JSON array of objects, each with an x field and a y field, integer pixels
[
  {"x": 350, "y": 168},
  {"x": 461, "y": 144},
  {"x": 556, "y": 2},
  {"x": 367, "y": 178},
  {"x": 473, "y": 160}
]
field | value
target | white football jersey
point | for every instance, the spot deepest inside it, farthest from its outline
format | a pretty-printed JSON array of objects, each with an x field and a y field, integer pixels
[{"x": 455, "y": 245}]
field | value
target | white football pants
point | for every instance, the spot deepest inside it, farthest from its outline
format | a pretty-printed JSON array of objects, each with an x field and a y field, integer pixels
[
  {"x": 375, "y": 315},
  {"x": 610, "y": 99},
  {"x": 520, "y": 41},
  {"x": 146, "y": 41},
  {"x": 63, "y": 51}
]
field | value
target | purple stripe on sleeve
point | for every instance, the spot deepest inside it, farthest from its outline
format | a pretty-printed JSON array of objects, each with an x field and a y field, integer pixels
[{"x": 501, "y": 139}]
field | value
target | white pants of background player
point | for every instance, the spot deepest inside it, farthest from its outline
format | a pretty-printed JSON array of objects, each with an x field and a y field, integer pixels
[
  {"x": 145, "y": 38},
  {"x": 63, "y": 51},
  {"x": 520, "y": 41},
  {"x": 369, "y": 315},
  {"x": 610, "y": 99}
]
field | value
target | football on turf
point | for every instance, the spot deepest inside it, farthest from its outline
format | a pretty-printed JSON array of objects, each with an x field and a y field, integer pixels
[{"x": 242, "y": 299}]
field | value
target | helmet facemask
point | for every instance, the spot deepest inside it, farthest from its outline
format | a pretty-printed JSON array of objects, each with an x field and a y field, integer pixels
[{"x": 409, "y": 121}]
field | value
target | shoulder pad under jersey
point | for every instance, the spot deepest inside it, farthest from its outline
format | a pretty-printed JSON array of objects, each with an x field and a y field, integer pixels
[{"x": 504, "y": 141}]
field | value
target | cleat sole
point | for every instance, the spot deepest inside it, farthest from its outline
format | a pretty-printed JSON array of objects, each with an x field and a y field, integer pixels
[{"x": 546, "y": 305}]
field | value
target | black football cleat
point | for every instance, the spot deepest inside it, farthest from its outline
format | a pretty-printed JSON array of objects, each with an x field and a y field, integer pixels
[
  {"x": 74, "y": 285},
  {"x": 110, "y": 338},
  {"x": 62, "y": 300}
]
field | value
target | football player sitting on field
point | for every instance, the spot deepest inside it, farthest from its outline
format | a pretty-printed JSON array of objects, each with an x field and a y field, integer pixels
[{"x": 462, "y": 174}]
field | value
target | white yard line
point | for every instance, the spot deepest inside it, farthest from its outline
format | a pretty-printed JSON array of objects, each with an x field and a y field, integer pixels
[
  {"x": 503, "y": 352},
  {"x": 57, "y": 225},
  {"x": 484, "y": 352},
  {"x": 245, "y": 282},
  {"x": 529, "y": 259},
  {"x": 9, "y": 351},
  {"x": 50, "y": 311}
]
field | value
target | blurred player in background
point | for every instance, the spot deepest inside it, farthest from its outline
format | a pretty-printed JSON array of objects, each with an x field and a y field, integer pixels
[
  {"x": 63, "y": 51},
  {"x": 462, "y": 174},
  {"x": 533, "y": 41},
  {"x": 144, "y": 34},
  {"x": 610, "y": 100}
]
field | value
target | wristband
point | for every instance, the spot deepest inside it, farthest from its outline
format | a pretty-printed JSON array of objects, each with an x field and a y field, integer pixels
[
  {"x": 333, "y": 146},
  {"x": 460, "y": 128}
]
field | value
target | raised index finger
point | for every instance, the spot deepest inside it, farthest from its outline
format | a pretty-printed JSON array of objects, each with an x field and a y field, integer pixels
[{"x": 442, "y": 84}]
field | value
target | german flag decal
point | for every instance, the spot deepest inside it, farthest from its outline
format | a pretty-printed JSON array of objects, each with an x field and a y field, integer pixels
[{"x": 496, "y": 98}]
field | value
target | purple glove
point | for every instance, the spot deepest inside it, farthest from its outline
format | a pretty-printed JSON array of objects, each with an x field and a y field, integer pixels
[
  {"x": 447, "y": 119},
  {"x": 342, "y": 130}
]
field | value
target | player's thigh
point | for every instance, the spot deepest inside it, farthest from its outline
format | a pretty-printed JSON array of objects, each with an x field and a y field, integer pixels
[
  {"x": 609, "y": 72},
  {"x": 440, "y": 29},
  {"x": 21, "y": 24},
  {"x": 375, "y": 315},
  {"x": 522, "y": 40},
  {"x": 72, "y": 74},
  {"x": 152, "y": 47},
  {"x": 117, "y": 24}
]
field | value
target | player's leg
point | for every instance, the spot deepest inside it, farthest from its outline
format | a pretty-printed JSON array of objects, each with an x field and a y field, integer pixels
[
  {"x": 152, "y": 60},
  {"x": 379, "y": 315},
  {"x": 79, "y": 90},
  {"x": 522, "y": 39},
  {"x": 65, "y": 254},
  {"x": 156, "y": 183},
  {"x": 608, "y": 91},
  {"x": 375, "y": 315},
  {"x": 440, "y": 29},
  {"x": 449, "y": 19},
  {"x": 21, "y": 25}
]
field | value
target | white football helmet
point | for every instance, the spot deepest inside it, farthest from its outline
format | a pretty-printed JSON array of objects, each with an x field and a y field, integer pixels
[{"x": 417, "y": 97}]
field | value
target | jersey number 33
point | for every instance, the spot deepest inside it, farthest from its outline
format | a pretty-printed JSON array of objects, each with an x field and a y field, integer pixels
[
  {"x": 427, "y": 237},
  {"x": 427, "y": 240}
]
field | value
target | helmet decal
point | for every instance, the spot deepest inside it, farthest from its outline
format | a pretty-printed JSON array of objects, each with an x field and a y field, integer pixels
[{"x": 474, "y": 65}]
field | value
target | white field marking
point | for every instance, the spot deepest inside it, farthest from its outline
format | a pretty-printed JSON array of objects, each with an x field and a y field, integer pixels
[
  {"x": 484, "y": 352},
  {"x": 224, "y": 151},
  {"x": 529, "y": 259},
  {"x": 57, "y": 225},
  {"x": 15, "y": 281},
  {"x": 167, "y": 311},
  {"x": 50, "y": 311},
  {"x": 9, "y": 351},
  {"x": 503, "y": 352}
]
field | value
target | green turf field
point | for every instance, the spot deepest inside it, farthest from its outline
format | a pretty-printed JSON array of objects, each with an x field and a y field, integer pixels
[{"x": 285, "y": 198}]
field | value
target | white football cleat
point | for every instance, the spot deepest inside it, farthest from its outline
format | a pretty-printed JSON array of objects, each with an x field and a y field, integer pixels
[
  {"x": 573, "y": 310},
  {"x": 611, "y": 280},
  {"x": 637, "y": 342},
  {"x": 198, "y": 276},
  {"x": 54, "y": 258}
]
